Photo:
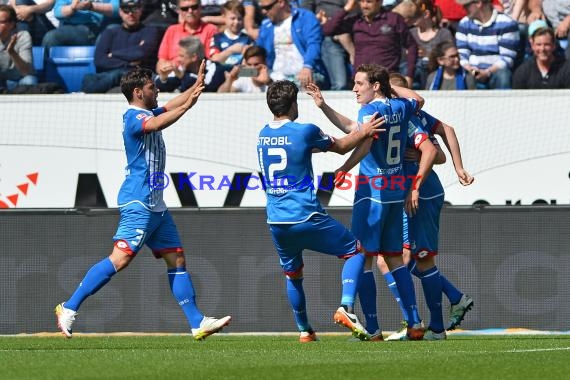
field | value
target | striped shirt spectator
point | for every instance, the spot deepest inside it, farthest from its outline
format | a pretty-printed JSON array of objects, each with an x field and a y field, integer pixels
[{"x": 487, "y": 41}]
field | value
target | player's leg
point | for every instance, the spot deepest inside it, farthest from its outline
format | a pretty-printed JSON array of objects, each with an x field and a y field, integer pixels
[
  {"x": 424, "y": 229},
  {"x": 133, "y": 225},
  {"x": 289, "y": 250},
  {"x": 165, "y": 242},
  {"x": 383, "y": 267},
  {"x": 367, "y": 230},
  {"x": 392, "y": 242},
  {"x": 367, "y": 294},
  {"x": 326, "y": 235}
]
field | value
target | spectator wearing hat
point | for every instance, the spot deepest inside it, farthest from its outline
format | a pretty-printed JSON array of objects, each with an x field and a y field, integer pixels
[
  {"x": 122, "y": 48},
  {"x": 545, "y": 69},
  {"x": 80, "y": 21},
  {"x": 488, "y": 41}
]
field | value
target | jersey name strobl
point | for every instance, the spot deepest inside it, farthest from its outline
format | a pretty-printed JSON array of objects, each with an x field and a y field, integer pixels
[{"x": 274, "y": 140}]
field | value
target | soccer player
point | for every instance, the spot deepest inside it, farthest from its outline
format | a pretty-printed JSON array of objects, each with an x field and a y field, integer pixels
[
  {"x": 144, "y": 216},
  {"x": 377, "y": 210},
  {"x": 421, "y": 231},
  {"x": 296, "y": 219}
]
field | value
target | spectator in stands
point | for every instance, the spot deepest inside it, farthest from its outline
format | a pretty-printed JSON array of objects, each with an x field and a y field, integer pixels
[
  {"x": 445, "y": 71},
  {"x": 487, "y": 41},
  {"x": 159, "y": 13},
  {"x": 427, "y": 33},
  {"x": 523, "y": 12},
  {"x": 253, "y": 17},
  {"x": 189, "y": 24},
  {"x": 546, "y": 69},
  {"x": 36, "y": 17},
  {"x": 212, "y": 12},
  {"x": 80, "y": 21},
  {"x": 16, "y": 66},
  {"x": 379, "y": 35},
  {"x": 121, "y": 49},
  {"x": 238, "y": 81},
  {"x": 292, "y": 38},
  {"x": 451, "y": 13},
  {"x": 337, "y": 52},
  {"x": 190, "y": 55},
  {"x": 558, "y": 13},
  {"x": 228, "y": 46}
]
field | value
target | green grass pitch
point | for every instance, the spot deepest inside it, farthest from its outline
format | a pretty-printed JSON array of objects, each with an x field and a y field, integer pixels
[{"x": 502, "y": 357}]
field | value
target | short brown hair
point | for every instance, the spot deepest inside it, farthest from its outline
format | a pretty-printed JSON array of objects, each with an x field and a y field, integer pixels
[
  {"x": 397, "y": 79},
  {"x": 234, "y": 6}
]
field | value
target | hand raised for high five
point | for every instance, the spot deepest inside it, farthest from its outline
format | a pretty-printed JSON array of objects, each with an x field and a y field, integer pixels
[{"x": 315, "y": 92}]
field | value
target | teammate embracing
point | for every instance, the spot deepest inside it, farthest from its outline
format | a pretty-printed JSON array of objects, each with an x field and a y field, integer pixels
[{"x": 295, "y": 216}]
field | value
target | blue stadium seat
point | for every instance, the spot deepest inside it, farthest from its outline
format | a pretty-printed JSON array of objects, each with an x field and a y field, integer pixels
[
  {"x": 68, "y": 64},
  {"x": 38, "y": 55}
]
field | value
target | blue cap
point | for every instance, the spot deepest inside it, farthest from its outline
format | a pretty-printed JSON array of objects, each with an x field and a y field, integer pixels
[{"x": 535, "y": 25}]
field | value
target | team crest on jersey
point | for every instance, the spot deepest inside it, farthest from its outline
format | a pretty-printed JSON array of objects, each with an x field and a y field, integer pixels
[{"x": 141, "y": 116}]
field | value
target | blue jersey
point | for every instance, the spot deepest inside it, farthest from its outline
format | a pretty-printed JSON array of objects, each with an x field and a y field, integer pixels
[
  {"x": 431, "y": 187},
  {"x": 382, "y": 166},
  {"x": 146, "y": 159},
  {"x": 222, "y": 41},
  {"x": 284, "y": 149}
]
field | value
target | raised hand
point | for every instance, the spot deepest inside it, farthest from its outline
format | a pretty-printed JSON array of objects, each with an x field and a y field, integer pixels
[
  {"x": 195, "y": 94},
  {"x": 201, "y": 73},
  {"x": 12, "y": 44},
  {"x": 315, "y": 92}
]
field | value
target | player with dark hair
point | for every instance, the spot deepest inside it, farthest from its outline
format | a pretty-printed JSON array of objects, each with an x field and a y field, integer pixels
[
  {"x": 144, "y": 216},
  {"x": 296, "y": 219},
  {"x": 377, "y": 214},
  {"x": 421, "y": 231}
]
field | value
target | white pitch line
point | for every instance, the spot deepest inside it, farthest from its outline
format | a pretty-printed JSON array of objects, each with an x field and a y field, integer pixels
[{"x": 539, "y": 349}]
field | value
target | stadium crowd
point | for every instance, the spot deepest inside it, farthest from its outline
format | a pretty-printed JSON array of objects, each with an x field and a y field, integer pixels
[{"x": 435, "y": 44}]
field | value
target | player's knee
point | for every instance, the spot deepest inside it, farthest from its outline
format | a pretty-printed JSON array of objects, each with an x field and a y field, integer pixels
[
  {"x": 296, "y": 275},
  {"x": 425, "y": 263},
  {"x": 120, "y": 259}
]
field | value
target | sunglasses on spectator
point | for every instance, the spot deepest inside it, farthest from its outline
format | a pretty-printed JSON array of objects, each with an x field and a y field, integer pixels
[
  {"x": 130, "y": 9},
  {"x": 193, "y": 7},
  {"x": 268, "y": 7}
]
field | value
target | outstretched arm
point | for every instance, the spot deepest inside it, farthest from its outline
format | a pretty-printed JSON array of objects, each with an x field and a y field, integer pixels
[
  {"x": 449, "y": 138},
  {"x": 403, "y": 92},
  {"x": 340, "y": 121},
  {"x": 368, "y": 130},
  {"x": 166, "y": 119}
]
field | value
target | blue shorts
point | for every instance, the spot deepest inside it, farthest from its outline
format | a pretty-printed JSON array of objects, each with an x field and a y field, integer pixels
[
  {"x": 321, "y": 233},
  {"x": 424, "y": 228},
  {"x": 378, "y": 226},
  {"x": 139, "y": 226}
]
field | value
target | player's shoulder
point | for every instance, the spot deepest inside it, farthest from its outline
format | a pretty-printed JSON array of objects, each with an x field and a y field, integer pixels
[{"x": 138, "y": 113}]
